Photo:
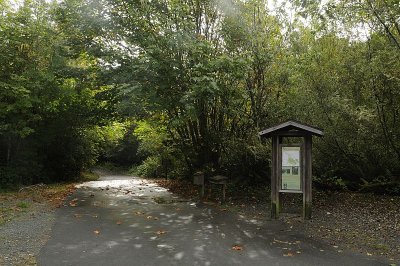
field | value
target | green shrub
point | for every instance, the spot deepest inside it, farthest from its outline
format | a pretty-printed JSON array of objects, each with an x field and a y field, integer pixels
[
  {"x": 247, "y": 159},
  {"x": 88, "y": 176},
  {"x": 150, "y": 167}
]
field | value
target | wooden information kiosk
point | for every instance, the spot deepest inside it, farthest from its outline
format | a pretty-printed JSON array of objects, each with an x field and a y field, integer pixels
[{"x": 291, "y": 163}]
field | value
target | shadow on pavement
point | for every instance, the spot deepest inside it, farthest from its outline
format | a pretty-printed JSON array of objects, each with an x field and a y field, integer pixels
[{"x": 122, "y": 220}]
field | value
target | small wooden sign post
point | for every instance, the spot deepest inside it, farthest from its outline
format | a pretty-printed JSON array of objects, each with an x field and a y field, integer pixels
[
  {"x": 291, "y": 163},
  {"x": 198, "y": 179}
]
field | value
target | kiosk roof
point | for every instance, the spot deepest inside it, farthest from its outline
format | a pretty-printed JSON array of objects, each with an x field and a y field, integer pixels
[{"x": 291, "y": 126}]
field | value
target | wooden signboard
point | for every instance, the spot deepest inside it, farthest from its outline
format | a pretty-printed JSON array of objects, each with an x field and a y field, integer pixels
[{"x": 291, "y": 169}]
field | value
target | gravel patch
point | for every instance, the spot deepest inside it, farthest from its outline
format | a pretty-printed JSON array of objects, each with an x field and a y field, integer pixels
[
  {"x": 26, "y": 221},
  {"x": 22, "y": 238},
  {"x": 365, "y": 223}
]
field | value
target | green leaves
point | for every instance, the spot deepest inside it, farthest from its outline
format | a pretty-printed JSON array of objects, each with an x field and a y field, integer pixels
[
  {"x": 49, "y": 93},
  {"x": 200, "y": 77}
]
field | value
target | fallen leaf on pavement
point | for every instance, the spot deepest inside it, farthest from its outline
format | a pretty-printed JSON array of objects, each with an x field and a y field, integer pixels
[
  {"x": 237, "y": 247},
  {"x": 73, "y": 203}
]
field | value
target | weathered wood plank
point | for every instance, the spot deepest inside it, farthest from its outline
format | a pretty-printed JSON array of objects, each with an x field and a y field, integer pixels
[{"x": 307, "y": 196}]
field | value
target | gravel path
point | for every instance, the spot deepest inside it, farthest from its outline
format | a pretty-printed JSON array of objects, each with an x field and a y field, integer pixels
[{"x": 22, "y": 238}]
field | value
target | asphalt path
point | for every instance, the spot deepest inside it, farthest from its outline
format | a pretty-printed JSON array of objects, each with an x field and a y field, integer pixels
[{"x": 125, "y": 220}]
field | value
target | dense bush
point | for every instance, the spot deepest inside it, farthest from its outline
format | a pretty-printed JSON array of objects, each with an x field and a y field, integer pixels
[{"x": 49, "y": 100}]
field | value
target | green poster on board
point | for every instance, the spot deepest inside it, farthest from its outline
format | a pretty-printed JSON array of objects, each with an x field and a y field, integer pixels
[{"x": 291, "y": 168}]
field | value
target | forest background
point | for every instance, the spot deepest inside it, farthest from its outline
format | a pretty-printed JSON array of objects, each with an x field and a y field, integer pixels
[{"x": 170, "y": 87}]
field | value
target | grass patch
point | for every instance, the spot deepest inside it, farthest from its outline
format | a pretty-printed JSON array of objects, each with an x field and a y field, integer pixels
[
  {"x": 87, "y": 176},
  {"x": 23, "y": 205},
  {"x": 11, "y": 209}
]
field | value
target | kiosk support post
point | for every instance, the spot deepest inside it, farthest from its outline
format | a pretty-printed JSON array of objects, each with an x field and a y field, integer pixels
[
  {"x": 307, "y": 194},
  {"x": 274, "y": 179}
]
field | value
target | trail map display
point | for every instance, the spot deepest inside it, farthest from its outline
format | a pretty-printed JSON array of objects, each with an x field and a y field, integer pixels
[{"x": 291, "y": 168}]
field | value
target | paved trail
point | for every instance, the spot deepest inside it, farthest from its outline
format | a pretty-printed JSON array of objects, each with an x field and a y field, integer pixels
[{"x": 124, "y": 220}]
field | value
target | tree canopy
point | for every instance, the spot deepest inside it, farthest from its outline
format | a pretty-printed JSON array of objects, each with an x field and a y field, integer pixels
[{"x": 175, "y": 86}]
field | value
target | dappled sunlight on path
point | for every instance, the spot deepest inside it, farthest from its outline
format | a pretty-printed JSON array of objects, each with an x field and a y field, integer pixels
[{"x": 122, "y": 220}]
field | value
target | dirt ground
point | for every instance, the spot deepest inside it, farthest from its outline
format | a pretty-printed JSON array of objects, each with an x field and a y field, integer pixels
[{"x": 364, "y": 223}]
